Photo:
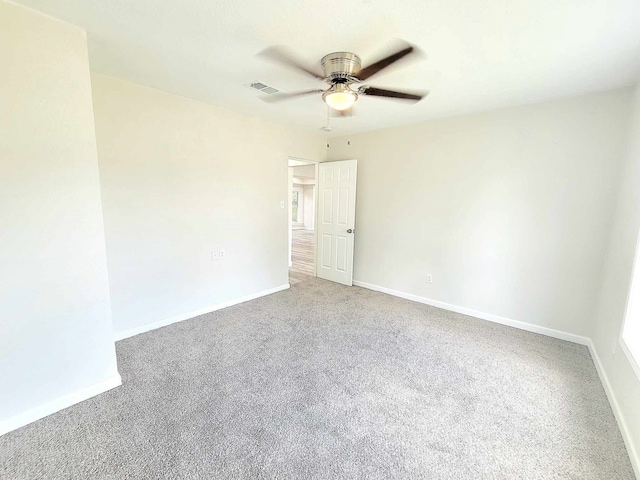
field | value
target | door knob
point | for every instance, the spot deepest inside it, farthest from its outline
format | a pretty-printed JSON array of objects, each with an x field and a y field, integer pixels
[{"x": 350, "y": 231}]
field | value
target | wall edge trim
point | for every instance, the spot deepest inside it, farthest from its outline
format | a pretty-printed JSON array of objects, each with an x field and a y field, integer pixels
[
  {"x": 632, "y": 451},
  {"x": 57, "y": 404},
  {"x": 194, "y": 313},
  {"x": 530, "y": 327}
]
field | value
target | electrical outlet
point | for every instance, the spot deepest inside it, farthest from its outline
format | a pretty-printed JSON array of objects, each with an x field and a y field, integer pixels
[
  {"x": 222, "y": 254},
  {"x": 429, "y": 279},
  {"x": 215, "y": 255}
]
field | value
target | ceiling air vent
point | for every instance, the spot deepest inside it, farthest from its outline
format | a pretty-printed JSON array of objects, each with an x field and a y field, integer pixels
[{"x": 262, "y": 87}]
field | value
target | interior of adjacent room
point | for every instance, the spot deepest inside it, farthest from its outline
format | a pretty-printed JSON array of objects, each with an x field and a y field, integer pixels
[{"x": 303, "y": 207}]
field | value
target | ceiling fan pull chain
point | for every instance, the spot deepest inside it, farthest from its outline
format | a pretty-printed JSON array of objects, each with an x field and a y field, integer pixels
[{"x": 328, "y": 127}]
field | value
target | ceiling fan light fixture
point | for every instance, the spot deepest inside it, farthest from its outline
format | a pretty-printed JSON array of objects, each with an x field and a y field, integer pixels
[
  {"x": 344, "y": 74},
  {"x": 339, "y": 97}
]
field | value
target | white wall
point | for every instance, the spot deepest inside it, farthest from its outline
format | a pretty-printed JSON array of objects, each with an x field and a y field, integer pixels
[
  {"x": 305, "y": 171},
  {"x": 179, "y": 179},
  {"x": 309, "y": 207},
  {"x": 615, "y": 287},
  {"x": 56, "y": 341},
  {"x": 298, "y": 221},
  {"x": 508, "y": 210},
  {"x": 290, "y": 210}
]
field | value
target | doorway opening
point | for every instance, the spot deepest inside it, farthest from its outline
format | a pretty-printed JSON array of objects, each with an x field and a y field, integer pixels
[{"x": 302, "y": 219}]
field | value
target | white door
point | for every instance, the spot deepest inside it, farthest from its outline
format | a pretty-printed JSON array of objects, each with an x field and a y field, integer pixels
[{"x": 336, "y": 220}]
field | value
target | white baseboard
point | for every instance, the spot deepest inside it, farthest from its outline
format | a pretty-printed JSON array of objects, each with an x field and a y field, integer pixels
[
  {"x": 185, "y": 316},
  {"x": 58, "y": 404},
  {"x": 530, "y": 327},
  {"x": 617, "y": 412}
]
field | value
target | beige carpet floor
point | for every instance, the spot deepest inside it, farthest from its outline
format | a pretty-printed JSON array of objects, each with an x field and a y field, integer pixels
[{"x": 323, "y": 381}]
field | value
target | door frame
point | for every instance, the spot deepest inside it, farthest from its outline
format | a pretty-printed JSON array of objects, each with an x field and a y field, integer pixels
[{"x": 315, "y": 208}]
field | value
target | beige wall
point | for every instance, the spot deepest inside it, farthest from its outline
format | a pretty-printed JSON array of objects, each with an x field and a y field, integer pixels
[
  {"x": 56, "y": 340},
  {"x": 615, "y": 286},
  {"x": 508, "y": 210},
  {"x": 179, "y": 179}
]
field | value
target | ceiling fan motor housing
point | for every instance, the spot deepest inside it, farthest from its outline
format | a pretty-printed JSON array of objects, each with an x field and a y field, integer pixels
[{"x": 340, "y": 66}]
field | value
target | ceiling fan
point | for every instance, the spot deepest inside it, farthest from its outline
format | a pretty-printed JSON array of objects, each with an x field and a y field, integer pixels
[{"x": 344, "y": 74}]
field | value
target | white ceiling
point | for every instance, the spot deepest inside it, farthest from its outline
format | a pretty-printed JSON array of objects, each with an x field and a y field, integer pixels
[{"x": 480, "y": 55}]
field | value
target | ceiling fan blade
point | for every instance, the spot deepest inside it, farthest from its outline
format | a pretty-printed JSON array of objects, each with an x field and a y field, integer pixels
[
  {"x": 385, "y": 62},
  {"x": 278, "y": 97},
  {"x": 380, "y": 92},
  {"x": 284, "y": 57}
]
